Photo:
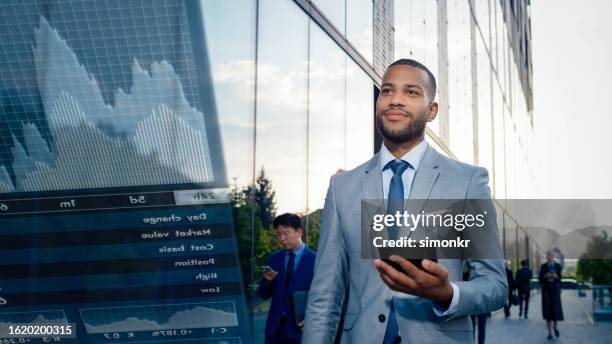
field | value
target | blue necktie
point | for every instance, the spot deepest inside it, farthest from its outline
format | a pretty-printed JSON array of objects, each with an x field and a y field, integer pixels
[
  {"x": 290, "y": 266},
  {"x": 395, "y": 203}
]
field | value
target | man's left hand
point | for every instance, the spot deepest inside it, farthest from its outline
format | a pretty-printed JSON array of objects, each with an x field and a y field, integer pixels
[{"x": 431, "y": 284}]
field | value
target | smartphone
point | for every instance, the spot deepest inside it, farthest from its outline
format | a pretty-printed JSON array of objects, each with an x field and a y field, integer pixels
[
  {"x": 267, "y": 268},
  {"x": 416, "y": 261}
]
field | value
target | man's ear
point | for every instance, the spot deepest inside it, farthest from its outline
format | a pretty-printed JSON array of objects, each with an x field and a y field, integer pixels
[{"x": 433, "y": 111}]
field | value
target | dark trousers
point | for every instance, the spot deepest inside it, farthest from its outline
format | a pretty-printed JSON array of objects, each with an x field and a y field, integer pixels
[
  {"x": 482, "y": 325},
  {"x": 282, "y": 334},
  {"x": 523, "y": 299},
  {"x": 507, "y": 308}
]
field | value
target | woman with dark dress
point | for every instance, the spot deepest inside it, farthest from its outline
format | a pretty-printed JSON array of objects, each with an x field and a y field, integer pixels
[{"x": 550, "y": 282}]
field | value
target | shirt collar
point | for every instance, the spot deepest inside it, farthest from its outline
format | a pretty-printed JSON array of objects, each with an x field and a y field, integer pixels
[
  {"x": 298, "y": 251},
  {"x": 413, "y": 156}
]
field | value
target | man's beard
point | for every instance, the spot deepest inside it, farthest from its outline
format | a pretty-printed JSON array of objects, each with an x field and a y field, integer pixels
[{"x": 413, "y": 130}]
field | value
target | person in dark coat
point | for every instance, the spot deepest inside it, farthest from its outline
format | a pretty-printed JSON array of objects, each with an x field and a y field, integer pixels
[
  {"x": 523, "y": 285},
  {"x": 511, "y": 288},
  {"x": 550, "y": 282}
]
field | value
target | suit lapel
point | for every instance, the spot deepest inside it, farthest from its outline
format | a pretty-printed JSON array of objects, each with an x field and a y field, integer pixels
[
  {"x": 423, "y": 182},
  {"x": 372, "y": 180},
  {"x": 372, "y": 193}
]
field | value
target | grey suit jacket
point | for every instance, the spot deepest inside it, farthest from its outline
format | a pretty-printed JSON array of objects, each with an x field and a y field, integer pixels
[{"x": 339, "y": 264}]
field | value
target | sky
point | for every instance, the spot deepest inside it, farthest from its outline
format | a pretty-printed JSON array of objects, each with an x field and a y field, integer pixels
[{"x": 572, "y": 54}]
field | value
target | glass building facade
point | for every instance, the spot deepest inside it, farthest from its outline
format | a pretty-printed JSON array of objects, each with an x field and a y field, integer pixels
[
  {"x": 155, "y": 101},
  {"x": 296, "y": 81}
]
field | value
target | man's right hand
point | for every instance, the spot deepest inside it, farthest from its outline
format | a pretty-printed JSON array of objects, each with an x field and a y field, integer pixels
[{"x": 269, "y": 275}]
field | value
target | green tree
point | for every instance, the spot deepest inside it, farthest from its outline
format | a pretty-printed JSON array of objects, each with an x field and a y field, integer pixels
[
  {"x": 263, "y": 196},
  {"x": 599, "y": 269},
  {"x": 254, "y": 209},
  {"x": 243, "y": 216},
  {"x": 312, "y": 222}
]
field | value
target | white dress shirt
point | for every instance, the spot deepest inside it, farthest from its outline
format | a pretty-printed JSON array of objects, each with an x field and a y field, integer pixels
[{"x": 412, "y": 157}]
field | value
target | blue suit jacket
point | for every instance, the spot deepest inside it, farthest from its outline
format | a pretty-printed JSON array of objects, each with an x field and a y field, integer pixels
[{"x": 281, "y": 296}]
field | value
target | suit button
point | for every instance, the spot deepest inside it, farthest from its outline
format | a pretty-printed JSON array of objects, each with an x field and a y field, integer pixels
[{"x": 382, "y": 318}]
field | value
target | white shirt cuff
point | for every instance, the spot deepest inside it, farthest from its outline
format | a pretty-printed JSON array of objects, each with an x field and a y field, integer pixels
[{"x": 453, "y": 305}]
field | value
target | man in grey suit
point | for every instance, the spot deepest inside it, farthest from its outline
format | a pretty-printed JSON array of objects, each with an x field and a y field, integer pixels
[{"x": 428, "y": 305}]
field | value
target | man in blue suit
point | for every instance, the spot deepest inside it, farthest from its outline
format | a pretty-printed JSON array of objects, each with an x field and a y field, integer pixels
[{"x": 288, "y": 270}]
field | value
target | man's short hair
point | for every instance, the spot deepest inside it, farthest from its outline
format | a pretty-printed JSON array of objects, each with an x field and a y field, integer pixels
[
  {"x": 416, "y": 64},
  {"x": 524, "y": 262},
  {"x": 288, "y": 220}
]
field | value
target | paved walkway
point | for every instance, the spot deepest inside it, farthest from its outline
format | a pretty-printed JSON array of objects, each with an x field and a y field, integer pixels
[{"x": 578, "y": 326}]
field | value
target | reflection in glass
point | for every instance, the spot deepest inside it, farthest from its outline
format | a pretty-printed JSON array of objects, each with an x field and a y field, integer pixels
[
  {"x": 281, "y": 101},
  {"x": 430, "y": 11},
  {"x": 359, "y": 115},
  {"x": 359, "y": 22},
  {"x": 483, "y": 19},
  {"x": 499, "y": 212},
  {"x": 513, "y": 159},
  {"x": 522, "y": 245},
  {"x": 334, "y": 11},
  {"x": 509, "y": 238},
  {"x": 496, "y": 20},
  {"x": 459, "y": 81},
  {"x": 503, "y": 52},
  {"x": 230, "y": 33},
  {"x": 327, "y": 115},
  {"x": 498, "y": 144},
  {"x": 416, "y": 35},
  {"x": 409, "y": 29},
  {"x": 483, "y": 87}
]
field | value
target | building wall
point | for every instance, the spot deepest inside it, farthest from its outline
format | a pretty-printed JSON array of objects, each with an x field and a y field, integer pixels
[{"x": 295, "y": 83}]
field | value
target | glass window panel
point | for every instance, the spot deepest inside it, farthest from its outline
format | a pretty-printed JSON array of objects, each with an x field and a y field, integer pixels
[
  {"x": 327, "y": 115},
  {"x": 230, "y": 33},
  {"x": 498, "y": 139},
  {"x": 416, "y": 36},
  {"x": 359, "y": 115},
  {"x": 485, "y": 128},
  {"x": 499, "y": 212},
  {"x": 495, "y": 13},
  {"x": 510, "y": 155},
  {"x": 500, "y": 41},
  {"x": 522, "y": 248},
  {"x": 359, "y": 23},
  {"x": 508, "y": 68},
  {"x": 510, "y": 238},
  {"x": 230, "y": 36},
  {"x": 409, "y": 29},
  {"x": 516, "y": 163},
  {"x": 514, "y": 87},
  {"x": 333, "y": 10},
  {"x": 460, "y": 81},
  {"x": 483, "y": 19},
  {"x": 533, "y": 255},
  {"x": 281, "y": 101},
  {"x": 430, "y": 15},
  {"x": 503, "y": 67}
]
